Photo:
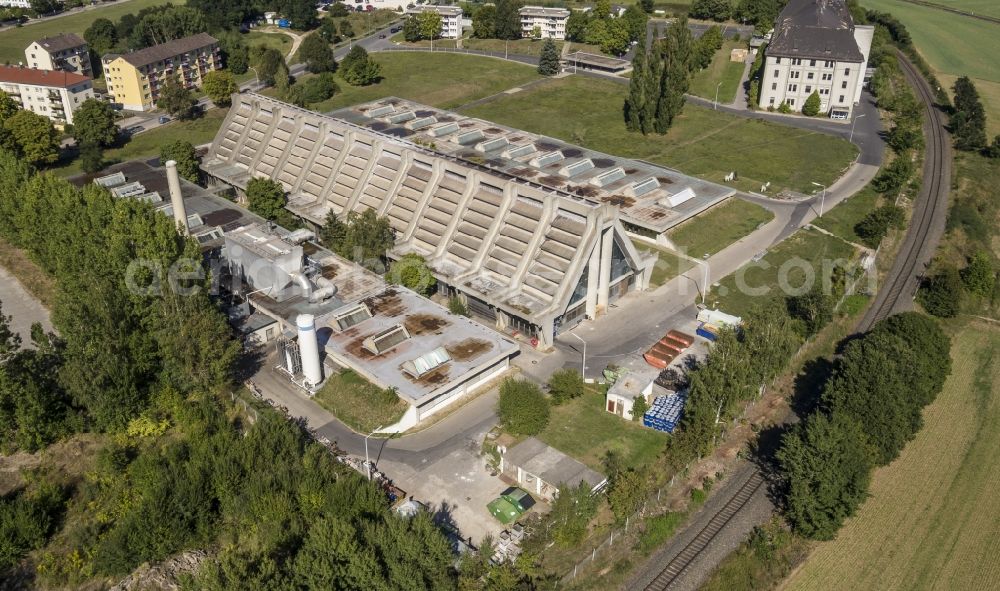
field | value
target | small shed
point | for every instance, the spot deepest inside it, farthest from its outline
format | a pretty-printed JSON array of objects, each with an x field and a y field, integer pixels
[
  {"x": 540, "y": 469},
  {"x": 738, "y": 54},
  {"x": 623, "y": 394}
]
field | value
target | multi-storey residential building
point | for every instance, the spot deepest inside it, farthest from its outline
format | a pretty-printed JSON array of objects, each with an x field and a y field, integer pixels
[
  {"x": 15, "y": 3},
  {"x": 136, "y": 79},
  {"x": 53, "y": 94},
  {"x": 68, "y": 52},
  {"x": 451, "y": 18},
  {"x": 816, "y": 47},
  {"x": 551, "y": 22}
]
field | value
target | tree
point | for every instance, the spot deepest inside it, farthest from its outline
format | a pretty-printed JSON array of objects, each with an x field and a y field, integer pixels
[
  {"x": 268, "y": 64},
  {"x": 626, "y": 493},
  {"x": 35, "y": 137},
  {"x": 993, "y": 151},
  {"x": 978, "y": 276},
  {"x": 362, "y": 237},
  {"x": 235, "y": 53},
  {"x": 167, "y": 23},
  {"x": 8, "y": 107},
  {"x": 813, "y": 308},
  {"x": 760, "y": 13},
  {"x": 705, "y": 47},
  {"x": 101, "y": 36},
  {"x": 314, "y": 90},
  {"x": 220, "y": 86},
  {"x": 183, "y": 153},
  {"x": 411, "y": 271},
  {"x": 636, "y": 19},
  {"x": 647, "y": 6},
  {"x": 968, "y": 121},
  {"x": 411, "y": 29},
  {"x": 338, "y": 10},
  {"x": 564, "y": 385},
  {"x": 43, "y": 7},
  {"x": 572, "y": 510},
  {"x": 301, "y": 13},
  {"x": 892, "y": 177},
  {"x": 265, "y": 197},
  {"x": 508, "y": 20},
  {"x": 635, "y": 102},
  {"x": 923, "y": 335},
  {"x": 94, "y": 124},
  {"x": 548, "y": 61},
  {"x": 430, "y": 25},
  {"x": 177, "y": 100},
  {"x": 484, "y": 22},
  {"x": 91, "y": 158},
  {"x": 576, "y": 26},
  {"x": 346, "y": 29},
  {"x": 941, "y": 293},
  {"x": 317, "y": 54},
  {"x": 827, "y": 470},
  {"x": 874, "y": 226},
  {"x": 811, "y": 107},
  {"x": 675, "y": 78},
  {"x": 639, "y": 407},
  {"x": 612, "y": 35},
  {"x": 359, "y": 69},
  {"x": 716, "y": 10},
  {"x": 522, "y": 408}
]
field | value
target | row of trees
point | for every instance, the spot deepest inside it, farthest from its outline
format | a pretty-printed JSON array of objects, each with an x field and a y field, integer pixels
[
  {"x": 32, "y": 137},
  {"x": 612, "y": 34},
  {"x": 660, "y": 78},
  {"x": 870, "y": 407},
  {"x": 499, "y": 20},
  {"x": 968, "y": 120},
  {"x": 147, "y": 27}
]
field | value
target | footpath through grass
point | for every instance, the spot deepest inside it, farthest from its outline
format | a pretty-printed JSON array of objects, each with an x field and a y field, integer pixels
[
  {"x": 581, "y": 428},
  {"x": 842, "y": 219},
  {"x": 719, "y": 227},
  {"x": 361, "y": 405},
  {"x": 721, "y": 70},
  {"x": 13, "y": 41},
  {"x": 933, "y": 516},
  {"x": 702, "y": 142}
]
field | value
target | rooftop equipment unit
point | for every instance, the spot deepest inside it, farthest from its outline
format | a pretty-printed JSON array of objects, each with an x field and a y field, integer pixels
[
  {"x": 387, "y": 339},
  {"x": 427, "y": 362}
]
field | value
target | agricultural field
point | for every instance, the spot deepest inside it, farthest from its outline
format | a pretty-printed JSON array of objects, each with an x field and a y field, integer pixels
[
  {"x": 934, "y": 513},
  {"x": 444, "y": 80},
  {"x": 13, "y": 41},
  {"x": 702, "y": 142},
  {"x": 955, "y": 45},
  {"x": 720, "y": 71},
  {"x": 984, "y": 7}
]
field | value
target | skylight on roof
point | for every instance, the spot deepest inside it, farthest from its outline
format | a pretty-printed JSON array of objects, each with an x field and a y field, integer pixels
[
  {"x": 493, "y": 144},
  {"x": 519, "y": 151},
  {"x": 580, "y": 166},
  {"x": 387, "y": 339},
  {"x": 470, "y": 137},
  {"x": 443, "y": 130},
  {"x": 380, "y": 111},
  {"x": 352, "y": 316},
  {"x": 605, "y": 179},
  {"x": 643, "y": 187},
  {"x": 422, "y": 122},
  {"x": 547, "y": 158},
  {"x": 427, "y": 362},
  {"x": 402, "y": 117}
]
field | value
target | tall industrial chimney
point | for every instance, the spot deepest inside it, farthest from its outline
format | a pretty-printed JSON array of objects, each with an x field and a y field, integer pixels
[
  {"x": 176, "y": 198},
  {"x": 309, "y": 349}
]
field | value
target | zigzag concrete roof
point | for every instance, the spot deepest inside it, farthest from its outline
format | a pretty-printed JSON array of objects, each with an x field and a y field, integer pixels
[{"x": 516, "y": 244}]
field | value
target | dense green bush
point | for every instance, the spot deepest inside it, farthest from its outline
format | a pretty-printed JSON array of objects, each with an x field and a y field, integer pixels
[
  {"x": 522, "y": 408},
  {"x": 564, "y": 385},
  {"x": 941, "y": 293},
  {"x": 874, "y": 226}
]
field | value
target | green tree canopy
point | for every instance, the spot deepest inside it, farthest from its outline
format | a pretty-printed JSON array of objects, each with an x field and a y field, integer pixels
[
  {"x": 220, "y": 86},
  {"x": 34, "y": 136},
  {"x": 94, "y": 123},
  {"x": 101, "y": 36},
  {"x": 266, "y": 197},
  {"x": 411, "y": 271},
  {"x": 430, "y": 24},
  {"x": 564, "y": 385},
  {"x": 359, "y": 69},
  {"x": 941, "y": 293},
  {"x": 715, "y": 10},
  {"x": 522, "y": 408},
  {"x": 177, "y": 100},
  {"x": 548, "y": 62},
  {"x": 810, "y": 108},
  {"x": 979, "y": 276},
  {"x": 362, "y": 237},
  {"x": 184, "y": 154},
  {"x": 317, "y": 54},
  {"x": 508, "y": 21},
  {"x": 484, "y": 22}
]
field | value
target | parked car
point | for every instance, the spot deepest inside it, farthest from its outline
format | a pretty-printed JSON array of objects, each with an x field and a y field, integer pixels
[
  {"x": 134, "y": 129},
  {"x": 511, "y": 504},
  {"x": 164, "y": 119}
]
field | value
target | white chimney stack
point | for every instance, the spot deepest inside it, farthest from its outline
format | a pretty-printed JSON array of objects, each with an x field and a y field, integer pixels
[
  {"x": 309, "y": 349},
  {"x": 176, "y": 198}
]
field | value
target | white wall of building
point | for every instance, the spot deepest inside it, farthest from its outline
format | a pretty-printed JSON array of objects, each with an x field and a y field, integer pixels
[
  {"x": 792, "y": 80},
  {"x": 15, "y": 3},
  {"x": 45, "y": 100},
  {"x": 551, "y": 22}
]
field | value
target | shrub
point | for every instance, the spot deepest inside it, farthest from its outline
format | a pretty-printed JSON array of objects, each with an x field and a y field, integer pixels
[
  {"x": 639, "y": 408},
  {"x": 522, "y": 408},
  {"x": 457, "y": 306},
  {"x": 811, "y": 106},
  {"x": 564, "y": 385},
  {"x": 979, "y": 276},
  {"x": 785, "y": 108},
  {"x": 892, "y": 178},
  {"x": 411, "y": 271},
  {"x": 941, "y": 293},
  {"x": 874, "y": 226}
]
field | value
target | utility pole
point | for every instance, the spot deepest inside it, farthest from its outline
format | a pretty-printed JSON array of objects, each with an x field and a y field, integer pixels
[
  {"x": 822, "y": 203},
  {"x": 716, "y": 107},
  {"x": 853, "y": 123},
  {"x": 583, "y": 368}
]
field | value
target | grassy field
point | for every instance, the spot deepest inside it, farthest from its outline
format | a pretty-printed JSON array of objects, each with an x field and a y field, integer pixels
[
  {"x": 702, "y": 142},
  {"x": 785, "y": 264},
  {"x": 583, "y": 429},
  {"x": 441, "y": 79},
  {"x": 984, "y": 7},
  {"x": 669, "y": 264},
  {"x": 31, "y": 276},
  {"x": 842, "y": 219},
  {"x": 147, "y": 144},
  {"x": 934, "y": 513},
  {"x": 955, "y": 45},
  {"x": 721, "y": 70},
  {"x": 13, "y": 41},
  {"x": 279, "y": 41},
  {"x": 719, "y": 227},
  {"x": 518, "y": 47},
  {"x": 360, "y": 404}
]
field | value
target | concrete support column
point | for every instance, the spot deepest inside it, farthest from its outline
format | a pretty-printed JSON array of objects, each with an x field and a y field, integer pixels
[
  {"x": 547, "y": 333},
  {"x": 604, "y": 284},
  {"x": 593, "y": 276}
]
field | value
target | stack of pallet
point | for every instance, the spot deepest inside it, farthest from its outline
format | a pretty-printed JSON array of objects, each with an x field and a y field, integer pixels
[{"x": 667, "y": 349}]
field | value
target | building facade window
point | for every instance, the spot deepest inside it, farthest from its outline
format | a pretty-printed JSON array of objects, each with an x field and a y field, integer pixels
[
  {"x": 796, "y": 61},
  {"x": 792, "y": 87},
  {"x": 809, "y": 89},
  {"x": 841, "y": 99},
  {"x": 812, "y": 63},
  {"x": 809, "y": 75},
  {"x": 774, "y": 86},
  {"x": 843, "y": 84},
  {"x": 828, "y": 64},
  {"x": 777, "y": 73},
  {"x": 847, "y": 71},
  {"x": 827, "y": 76}
]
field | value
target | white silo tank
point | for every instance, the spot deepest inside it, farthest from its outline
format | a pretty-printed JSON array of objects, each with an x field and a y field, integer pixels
[{"x": 309, "y": 349}]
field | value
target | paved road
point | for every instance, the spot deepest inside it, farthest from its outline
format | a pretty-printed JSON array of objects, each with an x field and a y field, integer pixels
[{"x": 24, "y": 309}]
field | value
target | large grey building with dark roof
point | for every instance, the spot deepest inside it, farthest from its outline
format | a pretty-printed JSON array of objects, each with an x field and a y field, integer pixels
[{"x": 816, "y": 47}]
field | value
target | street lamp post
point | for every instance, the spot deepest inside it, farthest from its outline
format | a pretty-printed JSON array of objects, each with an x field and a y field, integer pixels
[
  {"x": 704, "y": 281},
  {"x": 716, "y": 107},
  {"x": 256, "y": 78},
  {"x": 583, "y": 368},
  {"x": 822, "y": 202},
  {"x": 853, "y": 123},
  {"x": 368, "y": 465}
]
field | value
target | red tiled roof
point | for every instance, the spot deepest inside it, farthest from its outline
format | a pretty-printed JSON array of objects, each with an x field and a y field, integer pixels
[{"x": 54, "y": 78}]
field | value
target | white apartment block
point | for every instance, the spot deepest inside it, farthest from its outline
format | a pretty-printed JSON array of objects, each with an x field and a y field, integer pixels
[
  {"x": 15, "y": 3},
  {"x": 66, "y": 52},
  {"x": 551, "y": 22},
  {"x": 451, "y": 19},
  {"x": 816, "y": 47},
  {"x": 53, "y": 94}
]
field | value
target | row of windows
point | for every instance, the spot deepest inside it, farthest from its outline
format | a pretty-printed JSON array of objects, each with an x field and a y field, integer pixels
[
  {"x": 797, "y": 61},
  {"x": 794, "y": 87},
  {"x": 795, "y": 74},
  {"x": 791, "y": 101}
]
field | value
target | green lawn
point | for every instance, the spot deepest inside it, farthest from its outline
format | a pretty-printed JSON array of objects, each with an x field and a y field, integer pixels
[
  {"x": 582, "y": 429},
  {"x": 360, "y": 404},
  {"x": 147, "y": 144},
  {"x": 721, "y": 70},
  {"x": 702, "y": 142},
  {"x": 668, "y": 265},
  {"x": 719, "y": 227},
  {"x": 783, "y": 267},
  {"x": 13, "y": 41},
  {"x": 517, "y": 47},
  {"x": 279, "y": 41},
  {"x": 444, "y": 80},
  {"x": 841, "y": 219}
]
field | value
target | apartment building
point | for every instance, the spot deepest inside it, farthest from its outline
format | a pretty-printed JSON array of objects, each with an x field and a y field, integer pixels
[
  {"x": 451, "y": 19},
  {"x": 551, "y": 22},
  {"x": 53, "y": 94},
  {"x": 136, "y": 79},
  {"x": 67, "y": 52},
  {"x": 816, "y": 47},
  {"x": 15, "y": 4}
]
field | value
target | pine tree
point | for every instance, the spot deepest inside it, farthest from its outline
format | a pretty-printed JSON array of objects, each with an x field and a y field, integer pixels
[
  {"x": 548, "y": 62},
  {"x": 676, "y": 74},
  {"x": 635, "y": 102}
]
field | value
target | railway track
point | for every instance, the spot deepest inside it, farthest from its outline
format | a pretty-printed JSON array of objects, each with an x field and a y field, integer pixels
[
  {"x": 898, "y": 289},
  {"x": 679, "y": 563}
]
